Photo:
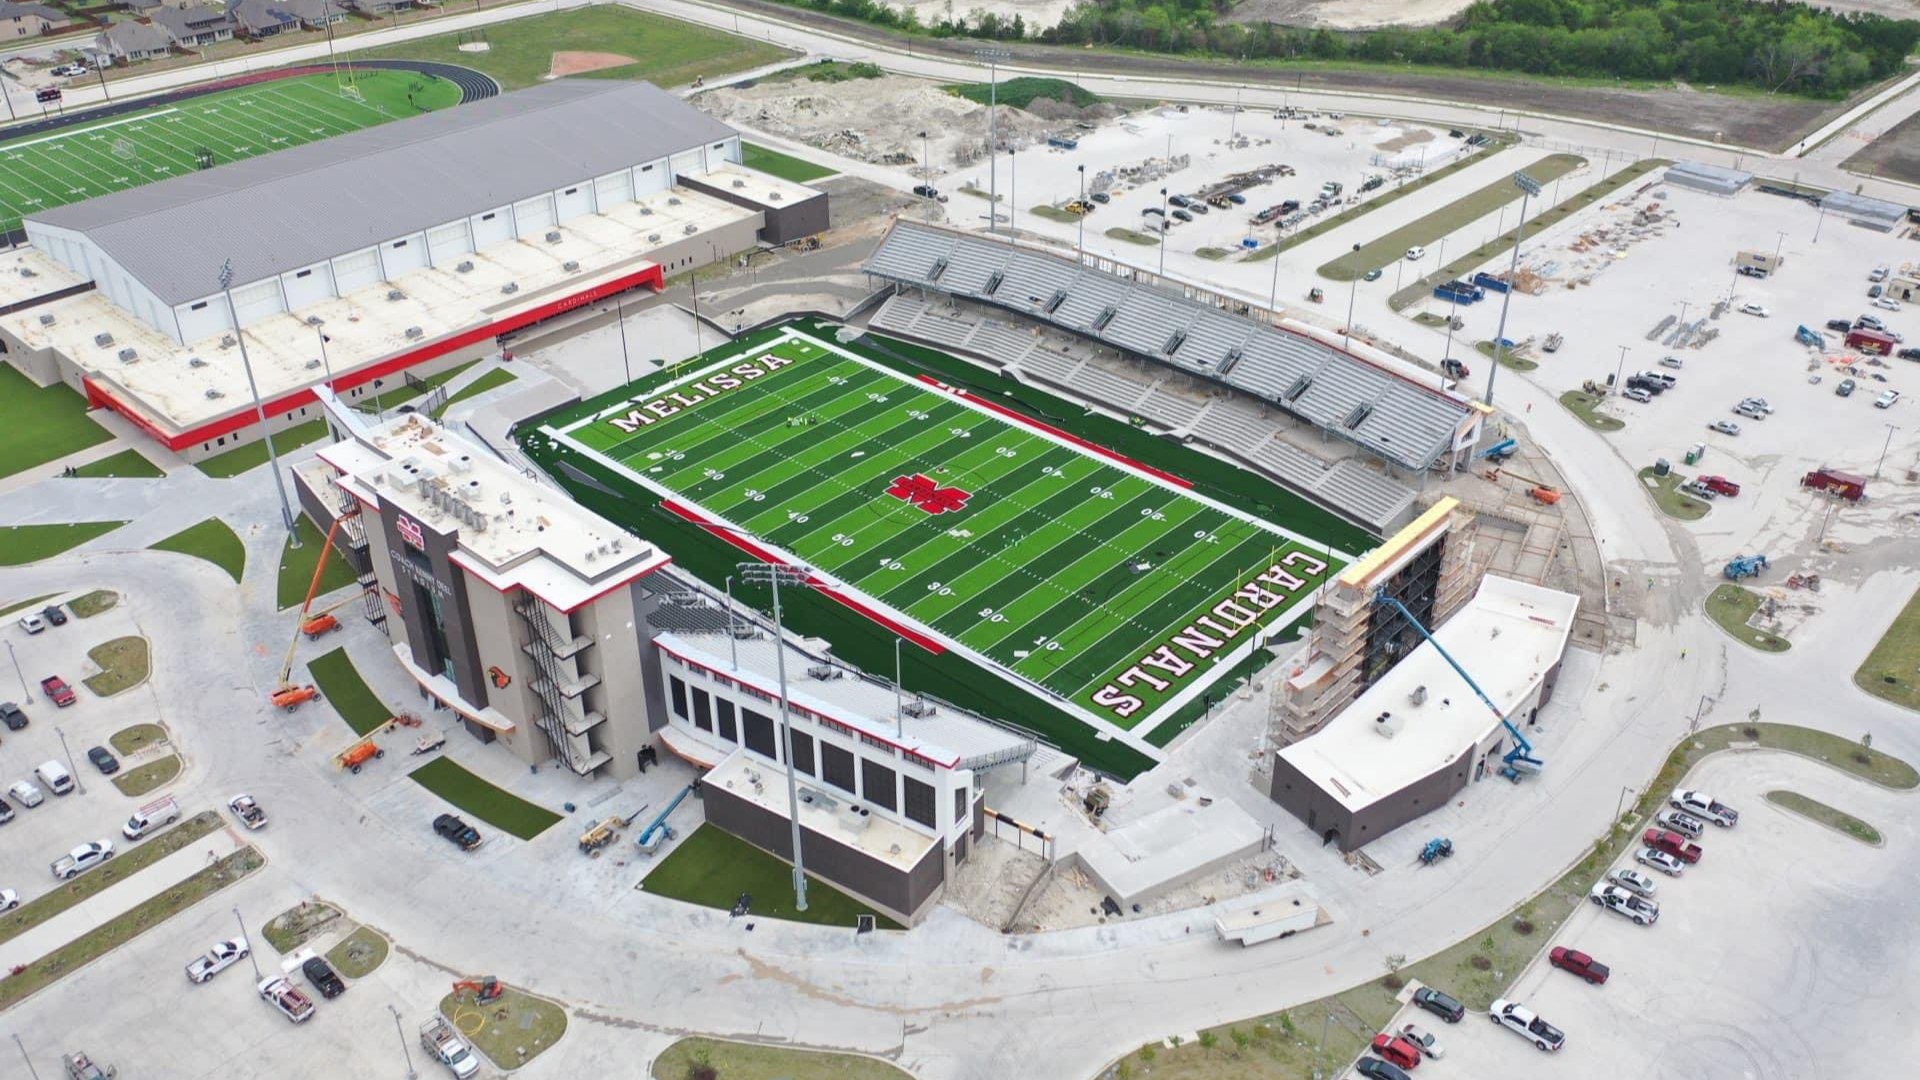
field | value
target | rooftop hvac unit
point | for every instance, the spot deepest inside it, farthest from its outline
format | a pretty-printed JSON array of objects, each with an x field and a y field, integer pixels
[
  {"x": 228, "y": 341},
  {"x": 415, "y": 332},
  {"x": 1419, "y": 696},
  {"x": 214, "y": 395},
  {"x": 510, "y": 288},
  {"x": 46, "y": 320},
  {"x": 462, "y": 464},
  {"x": 128, "y": 356},
  {"x": 646, "y": 211},
  {"x": 858, "y": 818},
  {"x": 773, "y": 196},
  {"x": 103, "y": 339},
  {"x": 395, "y": 294},
  {"x": 739, "y": 183},
  {"x": 570, "y": 266},
  {"x": 652, "y": 238},
  {"x": 314, "y": 320},
  {"x": 919, "y": 708},
  {"x": 553, "y": 237},
  {"x": 824, "y": 672},
  {"x": 465, "y": 267},
  {"x": 690, "y": 228},
  {"x": 1386, "y": 725},
  {"x": 311, "y": 364},
  {"x": 673, "y": 200},
  {"x": 479, "y": 522},
  {"x": 810, "y": 796},
  {"x": 194, "y": 361},
  {"x": 27, "y": 271}
]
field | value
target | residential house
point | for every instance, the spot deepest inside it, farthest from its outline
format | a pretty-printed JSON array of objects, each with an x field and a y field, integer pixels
[
  {"x": 193, "y": 27},
  {"x": 315, "y": 14},
  {"x": 30, "y": 20},
  {"x": 261, "y": 18},
  {"x": 380, "y": 9},
  {"x": 132, "y": 42}
]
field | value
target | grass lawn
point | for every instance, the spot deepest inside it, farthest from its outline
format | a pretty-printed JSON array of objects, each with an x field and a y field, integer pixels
[
  {"x": 291, "y": 928},
  {"x": 359, "y": 953},
  {"x": 712, "y": 867},
  {"x": 140, "y": 781},
  {"x": 1892, "y": 670},
  {"x": 666, "y": 52},
  {"x": 1507, "y": 357},
  {"x": 123, "y": 664},
  {"x": 93, "y": 603},
  {"x": 1212, "y": 254},
  {"x": 1023, "y": 91},
  {"x": 510, "y": 1030},
  {"x": 407, "y": 391},
  {"x": 129, "y": 740},
  {"x": 22, "y": 544},
  {"x": 127, "y": 464},
  {"x": 1731, "y": 606},
  {"x": 38, "y": 425},
  {"x": 785, "y": 166},
  {"x": 254, "y": 454},
  {"x": 1666, "y": 494},
  {"x": 118, "y": 931},
  {"x": 1053, "y": 213},
  {"x": 1132, "y": 237},
  {"x": 296, "y": 566},
  {"x": 751, "y": 1061},
  {"x": 211, "y": 540},
  {"x": 1587, "y": 407},
  {"x": 494, "y": 806},
  {"x": 127, "y": 861},
  {"x": 1465, "y": 210},
  {"x": 1814, "y": 810},
  {"x": 492, "y": 380},
  {"x": 347, "y": 692},
  {"x": 22, "y": 605}
]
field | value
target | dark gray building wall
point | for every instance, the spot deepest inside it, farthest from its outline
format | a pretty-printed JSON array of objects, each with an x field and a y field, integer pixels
[
  {"x": 901, "y": 893},
  {"x": 1331, "y": 821},
  {"x": 786, "y": 222},
  {"x": 653, "y": 683},
  {"x": 445, "y": 579}
]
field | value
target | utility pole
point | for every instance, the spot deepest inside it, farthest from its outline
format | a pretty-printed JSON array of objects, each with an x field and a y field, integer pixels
[
  {"x": 899, "y": 713},
  {"x": 620, "y": 320},
  {"x": 259, "y": 407},
  {"x": 1619, "y": 368},
  {"x": 733, "y": 639},
  {"x": 993, "y": 58},
  {"x": 1529, "y": 187},
  {"x": 773, "y": 574},
  {"x": 1080, "y": 256},
  {"x": 251, "y": 958},
  {"x": 28, "y": 694},
  {"x": 31, "y": 1071},
  {"x": 1164, "y": 230},
  {"x": 404, "y": 1049},
  {"x": 1353, "y": 289},
  {"x": 1891, "y": 428},
  {"x": 1273, "y": 291},
  {"x": 1776, "y": 249},
  {"x": 71, "y": 767}
]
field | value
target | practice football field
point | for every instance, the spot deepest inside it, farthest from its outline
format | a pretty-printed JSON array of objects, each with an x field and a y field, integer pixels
[
  {"x": 1084, "y": 574},
  {"x": 43, "y": 171}
]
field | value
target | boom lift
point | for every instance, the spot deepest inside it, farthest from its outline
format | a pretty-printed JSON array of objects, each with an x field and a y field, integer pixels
[
  {"x": 1518, "y": 760},
  {"x": 312, "y": 624}
]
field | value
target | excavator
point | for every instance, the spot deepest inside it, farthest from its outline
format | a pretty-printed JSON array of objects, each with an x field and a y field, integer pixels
[{"x": 480, "y": 989}]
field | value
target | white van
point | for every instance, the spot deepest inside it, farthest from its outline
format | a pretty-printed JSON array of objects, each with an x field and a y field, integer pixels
[
  {"x": 56, "y": 777},
  {"x": 26, "y": 794},
  {"x": 150, "y": 817}
]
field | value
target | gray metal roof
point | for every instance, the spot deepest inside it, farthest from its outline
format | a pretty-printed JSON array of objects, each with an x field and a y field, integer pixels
[{"x": 296, "y": 207}]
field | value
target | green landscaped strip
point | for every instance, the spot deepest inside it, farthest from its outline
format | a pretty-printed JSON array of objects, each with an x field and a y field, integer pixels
[
  {"x": 48, "y": 170},
  {"x": 492, "y": 380},
  {"x": 137, "y": 737},
  {"x": 22, "y": 605},
  {"x": 143, "y": 779},
  {"x": 125, "y": 863},
  {"x": 125, "y": 465},
  {"x": 22, "y": 544},
  {"x": 757, "y": 1061},
  {"x": 785, "y": 166},
  {"x": 1892, "y": 670},
  {"x": 712, "y": 867},
  {"x": 1832, "y": 818},
  {"x": 510, "y": 1030},
  {"x": 1587, "y": 407},
  {"x": 495, "y": 806},
  {"x": 666, "y": 52},
  {"x": 212, "y": 540},
  {"x": 296, "y": 566},
  {"x": 123, "y": 664},
  {"x": 1666, "y": 494},
  {"x": 254, "y": 454},
  {"x": 360, "y": 953},
  {"x": 93, "y": 603},
  {"x": 1730, "y": 607},
  {"x": 342, "y": 687},
  {"x": 407, "y": 390},
  {"x": 1461, "y": 212},
  {"x": 41, "y": 424}
]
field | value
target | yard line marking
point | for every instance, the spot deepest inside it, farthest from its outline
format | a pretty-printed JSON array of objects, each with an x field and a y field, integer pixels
[{"x": 69, "y": 134}]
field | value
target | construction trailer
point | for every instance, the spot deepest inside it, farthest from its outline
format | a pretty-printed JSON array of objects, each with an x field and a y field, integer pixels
[{"x": 1849, "y": 486}]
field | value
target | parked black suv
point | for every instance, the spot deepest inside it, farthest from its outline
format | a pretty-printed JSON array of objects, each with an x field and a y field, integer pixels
[
  {"x": 1439, "y": 1004},
  {"x": 11, "y": 715},
  {"x": 323, "y": 978},
  {"x": 54, "y": 615},
  {"x": 457, "y": 831},
  {"x": 1842, "y": 325}
]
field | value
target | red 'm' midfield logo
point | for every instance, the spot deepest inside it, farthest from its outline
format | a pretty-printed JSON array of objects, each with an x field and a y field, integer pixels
[{"x": 923, "y": 492}]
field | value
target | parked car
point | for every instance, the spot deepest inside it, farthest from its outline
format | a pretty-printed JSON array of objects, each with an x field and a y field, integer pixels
[
  {"x": 32, "y": 623},
  {"x": 82, "y": 859},
  {"x": 1908, "y": 354},
  {"x": 1841, "y": 325},
  {"x": 1704, "y": 806},
  {"x": 1197, "y": 207},
  {"x": 248, "y": 811},
  {"x": 926, "y": 191},
  {"x": 1579, "y": 963},
  {"x": 1845, "y": 388},
  {"x": 1879, "y": 273},
  {"x": 1720, "y": 485},
  {"x": 1660, "y": 377},
  {"x": 1439, "y": 1004},
  {"x": 1371, "y": 275},
  {"x": 1638, "y": 393},
  {"x": 1681, "y": 822},
  {"x": 1660, "y": 860},
  {"x": 279, "y": 992},
  {"x": 1699, "y": 490},
  {"x": 1672, "y": 362},
  {"x": 1886, "y": 303},
  {"x": 1397, "y": 1050},
  {"x": 1754, "y": 309},
  {"x": 1871, "y": 322},
  {"x": 323, "y": 978},
  {"x": 9, "y": 899},
  {"x": 69, "y": 71},
  {"x": 6, "y": 812},
  {"x": 1101, "y": 197},
  {"x": 222, "y": 956},
  {"x": 1629, "y": 905},
  {"x": 1886, "y": 400},
  {"x": 1752, "y": 272},
  {"x": 1759, "y": 403},
  {"x": 103, "y": 760},
  {"x": 26, "y": 794},
  {"x": 1724, "y": 427},
  {"x": 1423, "y": 1040},
  {"x": 54, "y": 615},
  {"x": 1180, "y": 200},
  {"x": 1524, "y": 1022},
  {"x": 1182, "y": 215},
  {"x": 1874, "y": 291},
  {"x": 457, "y": 831},
  {"x": 11, "y": 716},
  {"x": 1633, "y": 881},
  {"x": 1416, "y": 253},
  {"x": 58, "y": 691},
  {"x": 1673, "y": 844},
  {"x": 1374, "y": 1069}
]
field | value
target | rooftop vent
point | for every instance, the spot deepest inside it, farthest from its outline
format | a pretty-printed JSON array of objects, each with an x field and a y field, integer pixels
[
  {"x": 228, "y": 341},
  {"x": 1178, "y": 338},
  {"x": 653, "y": 238},
  {"x": 396, "y": 294},
  {"x": 673, "y": 200},
  {"x": 1358, "y": 416},
  {"x": 27, "y": 271},
  {"x": 918, "y": 707},
  {"x": 103, "y": 339},
  {"x": 690, "y": 228},
  {"x": 1299, "y": 387},
  {"x": 939, "y": 267},
  {"x": 311, "y": 364},
  {"x": 773, "y": 196},
  {"x": 415, "y": 332},
  {"x": 465, "y": 267},
  {"x": 314, "y": 320},
  {"x": 194, "y": 361},
  {"x": 570, "y": 266},
  {"x": 214, "y": 395},
  {"x": 1053, "y": 303},
  {"x": 510, "y": 288},
  {"x": 824, "y": 672},
  {"x": 553, "y": 237},
  {"x": 46, "y": 320},
  {"x": 646, "y": 211},
  {"x": 128, "y": 356},
  {"x": 739, "y": 183}
]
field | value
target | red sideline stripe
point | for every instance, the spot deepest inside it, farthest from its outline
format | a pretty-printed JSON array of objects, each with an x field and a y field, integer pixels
[
  {"x": 732, "y": 536},
  {"x": 1022, "y": 418}
]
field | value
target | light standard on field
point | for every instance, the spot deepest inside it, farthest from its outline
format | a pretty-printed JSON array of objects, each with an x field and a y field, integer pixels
[
  {"x": 1165, "y": 228},
  {"x": 993, "y": 58},
  {"x": 899, "y": 710},
  {"x": 1273, "y": 291},
  {"x": 1081, "y": 255},
  {"x": 1346, "y": 332},
  {"x": 259, "y": 407},
  {"x": 774, "y": 574},
  {"x": 620, "y": 320},
  {"x": 1888, "y": 445},
  {"x": 1529, "y": 187}
]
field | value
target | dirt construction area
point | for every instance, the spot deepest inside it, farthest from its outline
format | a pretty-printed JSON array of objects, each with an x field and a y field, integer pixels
[
  {"x": 1780, "y": 956},
  {"x": 1895, "y": 155}
]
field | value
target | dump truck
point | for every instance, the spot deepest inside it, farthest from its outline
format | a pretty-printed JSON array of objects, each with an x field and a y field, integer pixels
[{"x": 437, "y": 1038}]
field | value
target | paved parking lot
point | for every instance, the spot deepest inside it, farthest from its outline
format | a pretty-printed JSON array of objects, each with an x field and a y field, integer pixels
[{"x": 1784, "y": 955}]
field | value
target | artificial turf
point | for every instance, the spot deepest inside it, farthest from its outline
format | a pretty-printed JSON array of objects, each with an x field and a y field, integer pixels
[
  {"x": 496, "y": 806},
  {"x": 296, "y": 566},
  {"x": 342, "y": 687},
  {"x": 714, "y": 868}
]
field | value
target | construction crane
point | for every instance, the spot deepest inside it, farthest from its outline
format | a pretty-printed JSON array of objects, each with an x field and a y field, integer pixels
[
  {"x": 1518, "y": 760},
  {"x": 312, "y": 624}
]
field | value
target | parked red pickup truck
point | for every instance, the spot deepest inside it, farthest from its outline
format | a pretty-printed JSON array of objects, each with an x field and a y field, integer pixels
[
  {"x": 1673, "y": 844},
  {"x": 58, "y": 690},
  {"x": 1578, "y": 963}
]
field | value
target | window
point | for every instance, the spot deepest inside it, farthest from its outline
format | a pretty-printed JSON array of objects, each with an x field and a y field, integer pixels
[
  {"x": 646, "y": 168},
  {"x": 399, "y": 243},
  {"x": 919, "y": 801},
  {"x": 802, "y": 752},
  {"x": 570, "y": 191},
  {"x": 876, "y": 780},
  {"x": 959, "y": 803},
  {"x": 487, "y": 217},
  {"x": 836, "y": 767},
  {"x": 304, "y": 273},
  {"x": 196, "y": 307},
  {"x": 725, "y": 709},
  {"x": 702, "y": 709},
  {"x": 728, "y": 730},
  {"x": 757, "y": 732}
]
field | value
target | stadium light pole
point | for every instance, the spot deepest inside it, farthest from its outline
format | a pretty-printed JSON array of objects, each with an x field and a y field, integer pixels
[
  {"x": 326, "y": 365},
  {"x": 733, "y": 637},
  {"x": 259, "y": 407},
  {"x": 102, "y": 72},
  {"x": 1529, "y": 187},
  {"x": 773, "y": 574},
  {"x": 1273, "y": 291},
  {"x": 993, "y": 58},
  {"x": 1888, "y": 445},
  {"x": 899, "y": 711},
  {"x": 22, "y": 1047},
  {"x": 1163, "y": 232},
  {"x": 620, "y": 320},
  {"x": 1619, "y": 368},
  {"x": 1353, "y": 289},
  {"x": 1082, "y": 254}
]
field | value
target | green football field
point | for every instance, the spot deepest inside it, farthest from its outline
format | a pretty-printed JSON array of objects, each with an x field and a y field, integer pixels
[
  {"x": 1085, "y": 575},
  {"x": 43, "y": 171}
]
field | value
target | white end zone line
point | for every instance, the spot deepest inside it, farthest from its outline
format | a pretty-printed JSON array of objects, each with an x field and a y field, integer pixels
[{"x": 65, "y": 134}]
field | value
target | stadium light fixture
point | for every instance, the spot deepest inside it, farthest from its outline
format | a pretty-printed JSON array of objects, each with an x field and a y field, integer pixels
[
  {"x": 259, "y": 407},
  {"x": 1529, "y": 188},
  {"x": 993, "y": 57},
  {"x": 774, "y": 574}
]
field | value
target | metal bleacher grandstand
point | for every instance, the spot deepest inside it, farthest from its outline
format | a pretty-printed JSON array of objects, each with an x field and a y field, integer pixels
[{"x": 1398, "y": 420}]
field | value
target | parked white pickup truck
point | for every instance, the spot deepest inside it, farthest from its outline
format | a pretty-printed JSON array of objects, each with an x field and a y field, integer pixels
[
  {"x": 440, "y": 1043},
  {"x": 1702, "y": 805},
  {"x": 278, "y": 992}
]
